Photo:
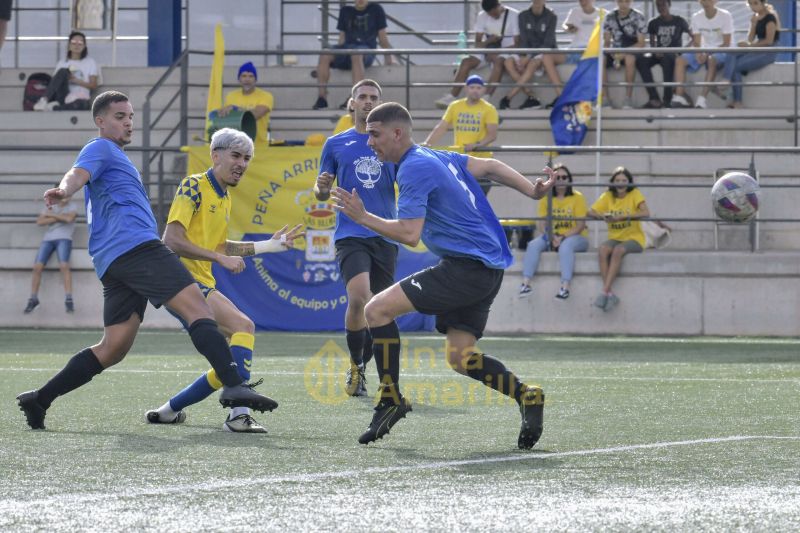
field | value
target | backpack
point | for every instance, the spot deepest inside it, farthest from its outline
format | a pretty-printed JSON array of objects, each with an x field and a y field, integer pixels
[{"x": 35, "y": 88}]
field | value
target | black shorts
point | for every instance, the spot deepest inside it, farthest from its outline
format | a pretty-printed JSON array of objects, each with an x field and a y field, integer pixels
[
  {"x": 5, "y": 9},
  {"x": 458, "y": 290},
  {"x": 367, "y": 254},
  {"x": 150, "y": 271}
]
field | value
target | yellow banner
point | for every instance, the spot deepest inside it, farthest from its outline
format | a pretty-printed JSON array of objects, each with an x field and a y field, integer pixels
[
  {"x": 276, "y": 190},
  {"x": 215, "y": 78}
]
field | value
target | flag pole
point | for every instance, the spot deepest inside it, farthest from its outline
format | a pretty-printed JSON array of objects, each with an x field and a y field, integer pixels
[{"x": 598, "y": 140}]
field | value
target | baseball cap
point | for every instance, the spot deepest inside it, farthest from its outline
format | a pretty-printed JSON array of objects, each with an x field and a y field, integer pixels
[{"x": 475, "y": 78}]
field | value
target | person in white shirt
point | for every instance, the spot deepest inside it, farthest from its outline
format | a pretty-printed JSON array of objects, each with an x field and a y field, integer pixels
[
  {"x": 580, "y": 23},
  {"x": 711, "y": 27},
  {"x": 73, "y": 80},
  {"x": 497, "y": 26}
]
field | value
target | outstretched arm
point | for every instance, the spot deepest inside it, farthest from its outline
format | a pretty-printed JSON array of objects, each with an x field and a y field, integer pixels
[
  {"x": 70, "y": 183},
  {"x": 281, "y": 241},
  {"x": 405, "y": 230},
  {"x": 502, "y": 173}
]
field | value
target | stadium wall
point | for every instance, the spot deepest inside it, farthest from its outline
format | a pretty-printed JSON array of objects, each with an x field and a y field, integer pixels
[{"x": 661, "y": 292}]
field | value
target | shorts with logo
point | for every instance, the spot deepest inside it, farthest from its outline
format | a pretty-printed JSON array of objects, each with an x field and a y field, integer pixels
[
  {"x": 375, "y": 255},
  {"x": 458, "y": 290},
  {"x": 150, "y": 271}
]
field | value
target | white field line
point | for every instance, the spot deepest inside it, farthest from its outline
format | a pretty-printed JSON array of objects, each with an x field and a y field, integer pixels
[
  {"x": 412, "y": 375},
  {"x": 238, "y": 483}
]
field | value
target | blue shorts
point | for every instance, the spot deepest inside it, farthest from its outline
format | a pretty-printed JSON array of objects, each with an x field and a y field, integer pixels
[
  {"x": 693, "y": 66},
  {"x": 206, "y": 290},
  {"x": 573, "y": 58},
  {"x": 343, "y": 62},
  {"x": 63, "y": 247}
]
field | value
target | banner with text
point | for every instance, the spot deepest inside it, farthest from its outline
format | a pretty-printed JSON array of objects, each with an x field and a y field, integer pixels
[{"x": 301, "y": 289}]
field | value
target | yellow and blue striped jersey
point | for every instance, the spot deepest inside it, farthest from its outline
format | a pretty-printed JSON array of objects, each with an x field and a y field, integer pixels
[{"x": 201, "y": 206}]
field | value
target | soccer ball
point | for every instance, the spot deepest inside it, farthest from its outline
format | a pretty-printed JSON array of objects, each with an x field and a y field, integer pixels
[{"x": 735, "y": 196}]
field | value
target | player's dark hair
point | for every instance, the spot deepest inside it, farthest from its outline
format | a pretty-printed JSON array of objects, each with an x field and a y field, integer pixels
[
  {"x": 85, "y": 44},
  {"x": 488, "y": 5},
  {"x": 366, "y": 82},
  {"x": 562, "y": 166},
  {"x": 390, "y": 112},
  {"x": 627, "y": 174},
  {"x": 104, "y": 100}
]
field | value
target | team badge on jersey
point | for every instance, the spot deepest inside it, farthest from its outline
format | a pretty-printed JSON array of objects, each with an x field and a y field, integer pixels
[{"x": 368, "y": 171}]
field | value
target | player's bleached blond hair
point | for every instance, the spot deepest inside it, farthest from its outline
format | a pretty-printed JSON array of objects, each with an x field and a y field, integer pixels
[{"x": 231, "y": 139}]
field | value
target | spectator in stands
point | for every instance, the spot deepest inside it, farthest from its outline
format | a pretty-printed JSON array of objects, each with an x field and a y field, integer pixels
[
  {"x": 497, "y": 26},
  {"x": 711, "y": 27},
  {"x": 361, "y": 26},
  {"x": 537, "y": 29},
  {"x": 580, "y": 23},
  {"x": 5, "y": 16},
  {"x": 474, "y": 120},
  {"x": 567, "y": 237},
  {"x": 73, "y": 80},
  {"x": 347, "y": 120},
  {"x": 764, "y": 31},
  {"x": 624, "y": 27},
  {"x": 621, "y": 207},
  {"x": 250, "y": 98},
  {"x": 60, "y": 222},
  {"x": 665, "y": 30}
]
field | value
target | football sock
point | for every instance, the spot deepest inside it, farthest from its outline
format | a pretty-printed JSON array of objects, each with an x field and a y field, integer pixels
[
  {"x": 197, "y": 391},
  {"x": 208, "y": 340},
  {"x": 166, "y": 412},
  {"x": 236, "y": 411},
  {"x": 78, "y": 371},
  {"x": 242, "y": 351},
  {"x": 367, "y": 352},
  {"x": 493, "y": 373},
  {"x": 202, "y": 387},
  {"x": 386, "y": 348},
  {"x": 355, "y": 343}
]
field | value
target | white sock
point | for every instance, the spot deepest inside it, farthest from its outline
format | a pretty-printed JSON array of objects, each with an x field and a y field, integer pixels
[
  {"x": 166, "y": 413},
  {"x": 236, "y": 411}
]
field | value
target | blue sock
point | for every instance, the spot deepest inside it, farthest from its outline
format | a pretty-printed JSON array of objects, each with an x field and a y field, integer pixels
[
  {"x": 242, "y": 352},
  {"x": 196, "y": 392}
]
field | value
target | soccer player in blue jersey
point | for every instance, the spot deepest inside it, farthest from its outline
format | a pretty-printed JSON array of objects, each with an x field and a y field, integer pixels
[
  {"x": 197, "y": 230},
  {"x": 441, "y": 203},
  {"x": 133, "y": 265},
  {"x": 366, "y": 259}
]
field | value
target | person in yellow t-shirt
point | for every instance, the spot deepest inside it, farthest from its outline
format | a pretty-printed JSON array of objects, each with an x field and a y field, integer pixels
[
  {"x": 474, "y": 120},
  {"x": 197, "y": 231},
  {"x": 568, "y": 235},
  {"x": 622, "y": 206},
  {"x": 250, "y": 98}
]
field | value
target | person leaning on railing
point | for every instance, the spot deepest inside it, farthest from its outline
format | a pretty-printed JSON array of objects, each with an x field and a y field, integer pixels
[{"x": 764, "y": 31}]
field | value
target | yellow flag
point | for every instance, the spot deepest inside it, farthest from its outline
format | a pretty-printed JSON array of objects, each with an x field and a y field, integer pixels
[{"x": 217, "y": 70}]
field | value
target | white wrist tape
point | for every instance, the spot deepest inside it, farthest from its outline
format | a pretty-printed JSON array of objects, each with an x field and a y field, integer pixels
[{"x": 270, "y": 246}]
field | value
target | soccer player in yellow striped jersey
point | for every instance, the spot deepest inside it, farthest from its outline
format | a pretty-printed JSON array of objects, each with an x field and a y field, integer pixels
[{"x": 197, "y": 229}]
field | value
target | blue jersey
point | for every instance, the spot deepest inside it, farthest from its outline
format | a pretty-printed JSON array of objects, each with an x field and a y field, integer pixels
[
  {"x": 355, "y": 166},
  {"x": 117, "y": 207},
  {"x": 459, "y": 221}
]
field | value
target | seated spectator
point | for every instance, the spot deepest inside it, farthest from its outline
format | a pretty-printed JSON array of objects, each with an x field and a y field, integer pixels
[
  {"x": 474, "y": 120},
  {"x": 621, "y": 207},
  {"x": 665, "y": 30},
  {"x": 580, "y": 23},
  {"x": 347, "y": 120},
  {"x": 73, "y": 80},
  {"x": 764, "y": 31},
  {"x": 568, "y": 235},
  {"x": 537, "y": 29},
  {"x": 250, "y": 98},
  {"x": 60, "y": 222},
  {"x": 711, "y": 27},
  {"x": 496, "y": 26},
  {"x": 361, "y": 26},
  {"x": 624, "y": 27}
]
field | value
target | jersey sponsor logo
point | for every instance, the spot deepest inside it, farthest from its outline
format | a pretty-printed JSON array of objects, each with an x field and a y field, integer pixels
[
  {"x": 368, "y": 171},
  {"x": 416, "y": 283},
  {"x": 213, "y": 208}
]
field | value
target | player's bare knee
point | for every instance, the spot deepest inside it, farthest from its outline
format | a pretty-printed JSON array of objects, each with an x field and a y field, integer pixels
[{"x": 375, "y": 313}]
